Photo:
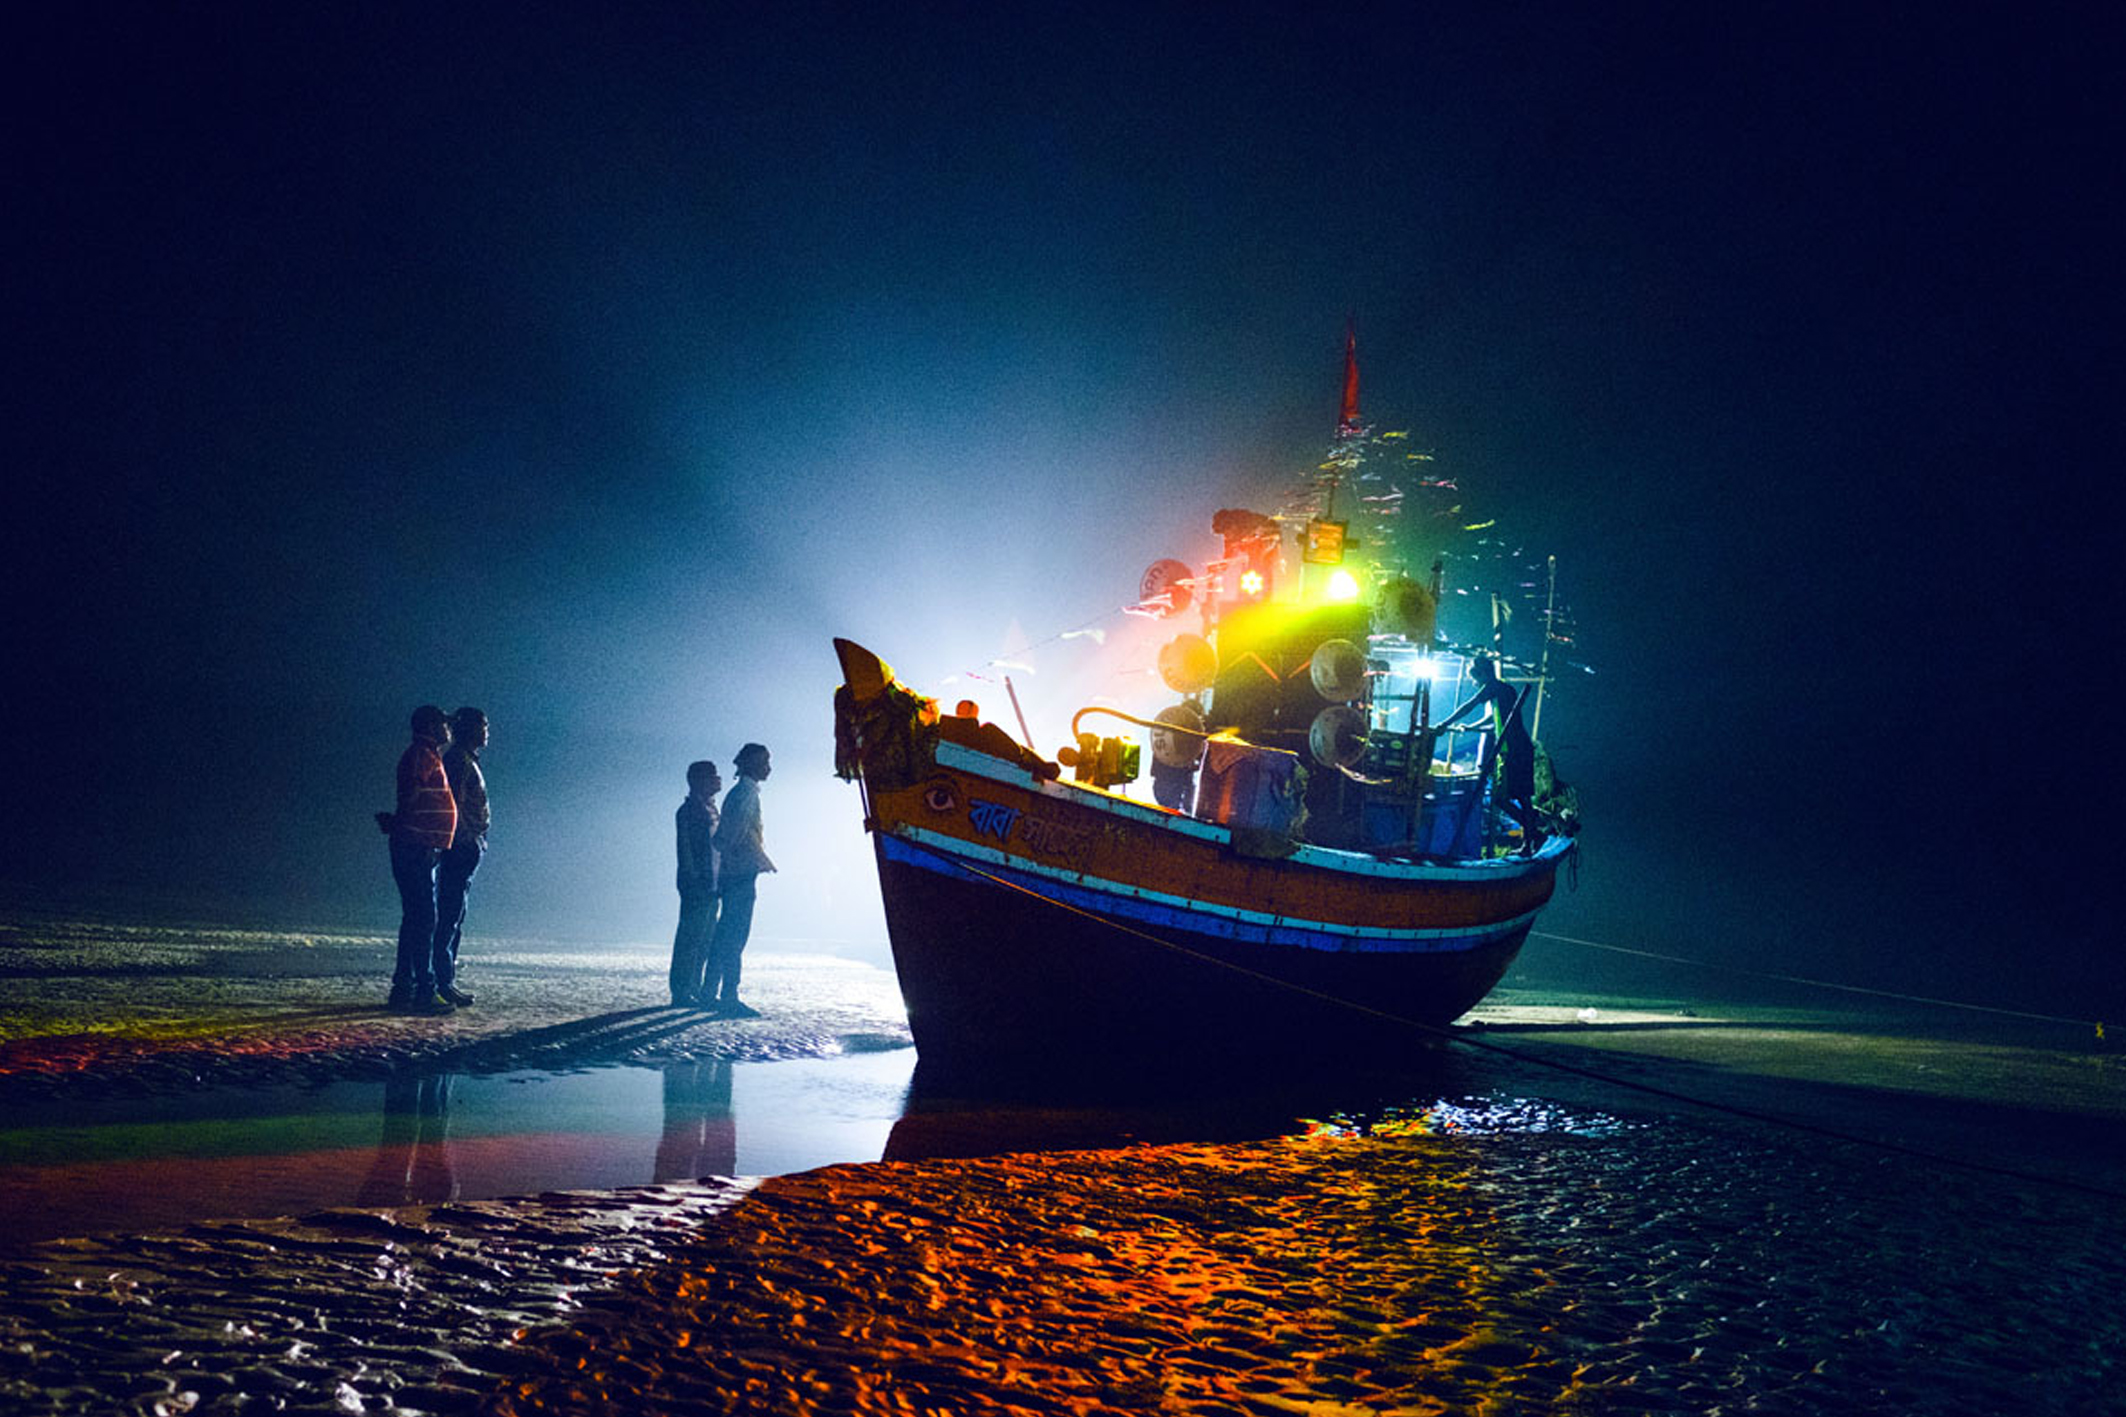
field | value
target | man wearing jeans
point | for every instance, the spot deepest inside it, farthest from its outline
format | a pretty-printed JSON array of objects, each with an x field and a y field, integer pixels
[
  {"x": 468, "y": 787},
  {"x": 696, "y": 837},
  {"x": 741, "y": 861},
  {"x": 421, "y": 830}
]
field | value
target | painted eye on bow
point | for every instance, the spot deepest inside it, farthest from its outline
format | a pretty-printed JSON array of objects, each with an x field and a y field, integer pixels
[{"x": 938, "y": 798}]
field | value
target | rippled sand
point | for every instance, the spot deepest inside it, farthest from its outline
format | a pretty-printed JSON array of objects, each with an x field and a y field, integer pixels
[
  {"x": 1641, "y": 1268},
  {"x": 1596, "y": 1253},
  {"x": 1653, "y": 1269},
  {"x": 416, "y": 1309}
]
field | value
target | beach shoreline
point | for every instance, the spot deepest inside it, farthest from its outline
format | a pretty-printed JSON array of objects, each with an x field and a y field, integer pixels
[
  {"x": 1576, "y": 1249},
  {"x": 87, "y": 1008}
]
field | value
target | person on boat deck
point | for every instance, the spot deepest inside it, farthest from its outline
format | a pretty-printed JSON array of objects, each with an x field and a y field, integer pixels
[
  {"x": 1512, "y": 751},
  {"x": 696, "y": 822},
  {"x": 741, "y": 860},
  {"x": 964, "y": 726}
]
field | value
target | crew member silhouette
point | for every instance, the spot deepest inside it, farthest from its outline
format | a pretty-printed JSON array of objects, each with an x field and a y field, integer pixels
[{"x": 1511, "y": 756}]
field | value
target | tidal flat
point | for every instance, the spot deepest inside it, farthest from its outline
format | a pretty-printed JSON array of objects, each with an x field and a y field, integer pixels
[{"x": 1863, "y": 1219}]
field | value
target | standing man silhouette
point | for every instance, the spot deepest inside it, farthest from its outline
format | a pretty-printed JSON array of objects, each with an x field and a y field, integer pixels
[
  {"x": 421, "y": 829},
  {"x": 742, "y": 860},
  {"x": 468, "y": 787},
  {"x": 695, "y": 822}
]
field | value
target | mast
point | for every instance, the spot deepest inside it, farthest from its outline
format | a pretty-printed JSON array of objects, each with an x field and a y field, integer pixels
[
  {"x": 1542, "y": 669},
  {"x": 1347, "y": 425},
  {"x": 1344, "y": 459}
]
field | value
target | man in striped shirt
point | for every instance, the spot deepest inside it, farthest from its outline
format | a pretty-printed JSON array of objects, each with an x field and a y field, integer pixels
[{"x": 421, "y": 830}]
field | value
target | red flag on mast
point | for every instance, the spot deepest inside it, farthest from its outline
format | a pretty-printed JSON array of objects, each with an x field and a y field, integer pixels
[{"x": 1347, "y": 424}]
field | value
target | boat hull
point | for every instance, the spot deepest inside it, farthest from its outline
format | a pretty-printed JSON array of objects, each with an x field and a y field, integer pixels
[
  {"x": 1041, "y": 926},
  {"x": 1000, "y": 977}
]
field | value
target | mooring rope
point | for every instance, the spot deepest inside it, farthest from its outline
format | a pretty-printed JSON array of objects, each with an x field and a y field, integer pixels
[
  {"x": 2097, "y": 1024},
  {"x": 1557, "y": 1065}
]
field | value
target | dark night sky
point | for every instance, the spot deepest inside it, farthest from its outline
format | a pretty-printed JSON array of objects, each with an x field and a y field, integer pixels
[{"x": 597, "y": 367}]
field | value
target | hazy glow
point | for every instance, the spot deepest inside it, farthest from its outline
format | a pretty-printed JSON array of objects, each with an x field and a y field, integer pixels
[{"x": 1342, "y": 585}]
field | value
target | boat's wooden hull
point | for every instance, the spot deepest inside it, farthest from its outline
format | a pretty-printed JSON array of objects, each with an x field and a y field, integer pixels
[{"x": 1044, "y": 925}]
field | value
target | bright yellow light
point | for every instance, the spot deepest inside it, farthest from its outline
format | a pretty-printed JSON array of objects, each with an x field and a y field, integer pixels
[
  {"x": 1251, "y": 583},
  {"x": 1342, "y": 585}
]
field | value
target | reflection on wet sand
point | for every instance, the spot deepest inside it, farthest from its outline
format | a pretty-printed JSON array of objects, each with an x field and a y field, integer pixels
[
  {"x": 700, "y": 1135},
  {"x": 431, "y": 1132},
  {"x": 413, "y": 1162},
  {"x": 1519, "y": 1260},
  {"x": 960, "y": 1115}
]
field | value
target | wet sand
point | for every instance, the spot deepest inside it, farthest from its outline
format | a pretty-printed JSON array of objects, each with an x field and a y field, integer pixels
[
  {"x": 1619, "y": 1274},
  {"x": 88, "y": 1008},
  {"x": 1598, "y": 1253},
  {"x": 421, "y": 1308},
  {"x": 1639, "y": 1271}
]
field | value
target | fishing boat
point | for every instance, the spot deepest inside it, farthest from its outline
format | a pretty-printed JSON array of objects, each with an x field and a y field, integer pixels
[{"x": 1324, "y": 873}]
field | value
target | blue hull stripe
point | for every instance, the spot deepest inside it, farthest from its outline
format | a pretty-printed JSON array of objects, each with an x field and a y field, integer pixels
[{"x": 1151, "y": 910}]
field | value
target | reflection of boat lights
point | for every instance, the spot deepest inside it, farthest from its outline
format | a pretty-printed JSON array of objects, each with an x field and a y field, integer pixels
[{"x": 1343, "y": 585}]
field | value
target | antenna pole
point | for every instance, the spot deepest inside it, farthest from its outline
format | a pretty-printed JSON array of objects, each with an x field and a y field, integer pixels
[
  {"x": 1024, "y": 732},
  {"x": 1542, "y": 669}
]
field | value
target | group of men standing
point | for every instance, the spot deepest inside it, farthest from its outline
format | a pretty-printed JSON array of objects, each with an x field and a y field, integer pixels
[
  {"x": 721, "y": 859},
  {"x": 438, "y": 834}
]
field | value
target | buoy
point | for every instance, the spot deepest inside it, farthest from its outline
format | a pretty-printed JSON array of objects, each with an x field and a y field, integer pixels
[
  {"x": 1338, "y": 670},
  {"x": 1188, "y": 664},
  {"x": 1409, "y": 610},
  {"x": 1337, "y": 737},
  {"x": 1178, "y": 750},
  {"x": 1164, "y": 588}
]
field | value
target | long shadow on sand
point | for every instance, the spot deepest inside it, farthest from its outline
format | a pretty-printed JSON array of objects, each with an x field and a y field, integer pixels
[{"x": 579, "y": 1042}]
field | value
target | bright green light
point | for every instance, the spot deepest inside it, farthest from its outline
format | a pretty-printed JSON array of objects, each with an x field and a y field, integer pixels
[{"x": 1342, "y": 585}]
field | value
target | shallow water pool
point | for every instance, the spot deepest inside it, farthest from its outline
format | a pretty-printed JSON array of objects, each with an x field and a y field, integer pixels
[
  {"x": 152, "y": 1163},
  {"x": 147, "y": 1163}
]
